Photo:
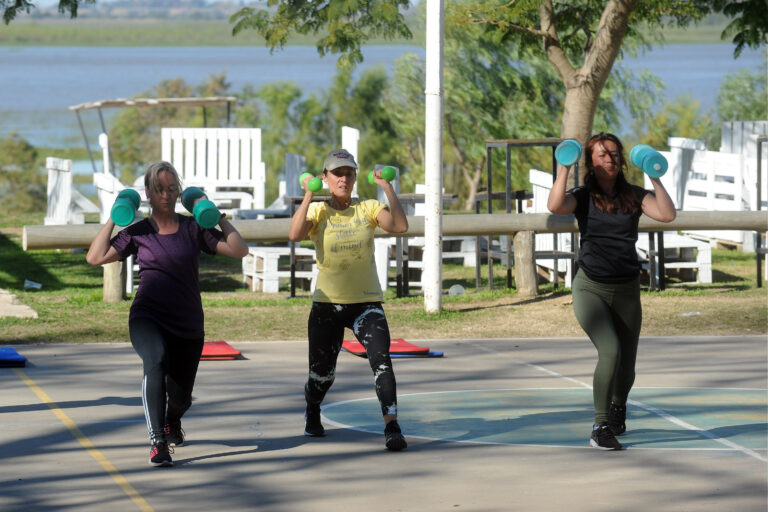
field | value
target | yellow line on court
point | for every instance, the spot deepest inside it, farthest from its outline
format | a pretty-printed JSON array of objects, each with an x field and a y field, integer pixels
[{"x": 86, "y": 443}]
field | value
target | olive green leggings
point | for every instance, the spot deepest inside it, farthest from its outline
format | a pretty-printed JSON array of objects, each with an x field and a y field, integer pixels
[{"x": 611, "y": 315}]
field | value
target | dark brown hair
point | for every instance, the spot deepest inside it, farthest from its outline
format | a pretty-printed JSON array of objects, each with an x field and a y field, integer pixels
[{"x": 625, "y": 198}]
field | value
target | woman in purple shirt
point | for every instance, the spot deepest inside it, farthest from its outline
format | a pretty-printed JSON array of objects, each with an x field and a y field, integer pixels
[{"x": 166, "y": 318}]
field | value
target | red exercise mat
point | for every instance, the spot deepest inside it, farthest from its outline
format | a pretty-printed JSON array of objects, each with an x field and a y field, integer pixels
[
  {"x": 218, "y": 350},
  {"x": 396, "y": 346}
]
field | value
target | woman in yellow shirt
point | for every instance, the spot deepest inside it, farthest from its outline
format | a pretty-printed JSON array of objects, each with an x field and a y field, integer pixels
[{"x": 347, "y": 293}]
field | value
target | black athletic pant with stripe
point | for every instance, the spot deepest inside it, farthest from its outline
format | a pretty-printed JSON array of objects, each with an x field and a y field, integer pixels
[
  {"x": 326, "y": 333},
  {"x": 170, "y": 367}
]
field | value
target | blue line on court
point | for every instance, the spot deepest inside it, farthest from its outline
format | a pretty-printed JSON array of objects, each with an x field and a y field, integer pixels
[{"x": 564, "y": 416}]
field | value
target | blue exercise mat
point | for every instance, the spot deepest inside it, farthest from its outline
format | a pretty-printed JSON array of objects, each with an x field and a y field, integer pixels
[
  {"x": 9, "y": 357},
  {"x": 431, "y": 353}
]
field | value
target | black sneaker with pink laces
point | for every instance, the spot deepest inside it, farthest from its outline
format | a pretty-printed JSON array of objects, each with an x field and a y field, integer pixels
[
  {"x": 174, "y": 434},
  {"x": 160, "y": 455}
]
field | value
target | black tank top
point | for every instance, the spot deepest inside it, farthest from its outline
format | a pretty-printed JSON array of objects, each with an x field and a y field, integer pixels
[{"x": 607, "y": 252}]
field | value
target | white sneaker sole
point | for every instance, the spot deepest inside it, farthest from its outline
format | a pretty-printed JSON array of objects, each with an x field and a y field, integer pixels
[{"x": 594, "y": 444}]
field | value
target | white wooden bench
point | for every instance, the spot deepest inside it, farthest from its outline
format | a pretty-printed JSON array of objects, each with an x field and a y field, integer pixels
[
  {"x": 680, "y": 252},
  {"x": 263, "y": 267},
  {"x": 65, "y": 205}
]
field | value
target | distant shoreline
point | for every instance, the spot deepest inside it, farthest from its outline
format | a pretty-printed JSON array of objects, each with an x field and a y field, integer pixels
[
  {"x": 146, "y": 32},
  {"x": 213, "y": 32}
]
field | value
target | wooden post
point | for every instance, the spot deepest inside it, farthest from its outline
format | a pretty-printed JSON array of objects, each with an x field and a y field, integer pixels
[
  {"x": 526, "y": 278},
  {"x": 114, "y": 282}
]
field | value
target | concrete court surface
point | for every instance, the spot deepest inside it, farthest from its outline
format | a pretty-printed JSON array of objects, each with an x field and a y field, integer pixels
[{"x": 495, "y": 425}]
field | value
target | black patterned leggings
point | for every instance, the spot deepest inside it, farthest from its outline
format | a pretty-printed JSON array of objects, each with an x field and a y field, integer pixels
[{"x": 326, "y": 333}]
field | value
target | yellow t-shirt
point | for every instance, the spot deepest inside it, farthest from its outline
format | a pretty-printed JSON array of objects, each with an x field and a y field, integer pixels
[{"x": 344, "y": 247}]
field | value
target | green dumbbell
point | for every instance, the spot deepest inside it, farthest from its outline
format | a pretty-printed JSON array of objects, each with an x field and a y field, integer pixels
[
  {"x": 124, "y": 209},
  {"x": 205, "y": 212},
  {"x": 314, "y": 184},
  {"x": 649, "y": 160},
  {"x": 388, "y": 173}
]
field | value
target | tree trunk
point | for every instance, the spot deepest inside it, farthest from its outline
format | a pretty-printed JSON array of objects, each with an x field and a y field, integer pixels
[
  {"x": 473, "y": 182},
  {"x": 584, "y": 85},
  {"x": 526, "y": 278},
  {"x": 578, "y": 114},
  {"x": 114, "y": 281}
]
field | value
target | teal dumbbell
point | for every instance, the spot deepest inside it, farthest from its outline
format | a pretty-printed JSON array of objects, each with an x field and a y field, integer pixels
[
  {"x": 314, "y": 184},
  {"x": 649, "y": 160},
  {"x": 388, "y": 173},
  {"x": 568, "y": 152},
  {"x": 124, "y": 209},
  {"x": 205, "y": 212}
]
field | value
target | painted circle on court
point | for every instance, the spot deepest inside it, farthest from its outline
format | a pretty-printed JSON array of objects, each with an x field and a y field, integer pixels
[{"x": 656, "y": 417}]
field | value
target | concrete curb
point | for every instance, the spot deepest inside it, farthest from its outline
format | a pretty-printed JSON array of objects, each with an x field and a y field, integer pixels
[{"x": 10, "y": 306}]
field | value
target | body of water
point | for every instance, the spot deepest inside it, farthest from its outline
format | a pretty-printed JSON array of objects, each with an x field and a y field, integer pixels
[{"x": 38, "y": 84}]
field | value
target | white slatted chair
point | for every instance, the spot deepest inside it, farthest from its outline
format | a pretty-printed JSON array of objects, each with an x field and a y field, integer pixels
[
  {"x": 65, "y": 204},
  {"x": 225, "y": 162}
]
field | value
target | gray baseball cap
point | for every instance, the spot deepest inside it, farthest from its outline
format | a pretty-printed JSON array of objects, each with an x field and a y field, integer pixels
[{"x": 339, "y": 158}]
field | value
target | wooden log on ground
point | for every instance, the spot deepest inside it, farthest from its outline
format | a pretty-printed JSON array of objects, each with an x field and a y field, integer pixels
[
  {"x": 114, "y": 282},
  {"x": 526, "y": 278}
]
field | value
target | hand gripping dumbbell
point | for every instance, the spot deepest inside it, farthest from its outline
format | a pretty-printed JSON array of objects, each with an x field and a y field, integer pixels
[
  {"x": 125, "y": 206},
  {"x": 205, "y": 212},
  {"x": 649, "y": 160},
  {"x": 568, "y": 152},
  {"x": 388, "y": 173},
  {"x": 314, "y": 184}
]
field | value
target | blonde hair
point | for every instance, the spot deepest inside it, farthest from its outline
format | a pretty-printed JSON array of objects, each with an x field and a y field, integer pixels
[{"x": 153, "y": 169}]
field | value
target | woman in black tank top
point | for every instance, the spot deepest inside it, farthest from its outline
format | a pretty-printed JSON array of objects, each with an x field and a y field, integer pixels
[{"x": 606, "y": 289}]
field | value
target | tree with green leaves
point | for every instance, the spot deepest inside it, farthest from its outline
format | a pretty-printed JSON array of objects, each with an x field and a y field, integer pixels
[
  {"x": 12, "y": 8},
  {"x": 495, "y": 91},
  {"x": 743, "y": 95},
  {"x": 581, "y": 40},
  {"x": 343, "y": 26},
  {"x": 681, "y": 117},
  {"x": 311, "y": 126},
  {"x": 135, "y": 135},
  {"x": 22, "y": 181}
]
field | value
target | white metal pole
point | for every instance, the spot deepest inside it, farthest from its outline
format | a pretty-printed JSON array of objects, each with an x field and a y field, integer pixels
[
  {"x": 349, "y": 139},
  {"x": 432, "y": 272}
]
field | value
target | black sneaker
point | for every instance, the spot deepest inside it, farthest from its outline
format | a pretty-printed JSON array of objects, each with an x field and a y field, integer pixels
[
  {"x": 313, "y": 428},
  {"x": 174, "y": 434},
  {"x": 393, "y": 437},
  {"x": 617, "y": 417},
  {"x": 160, "y": 455},
  {"x": 603, "y": 438}
]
